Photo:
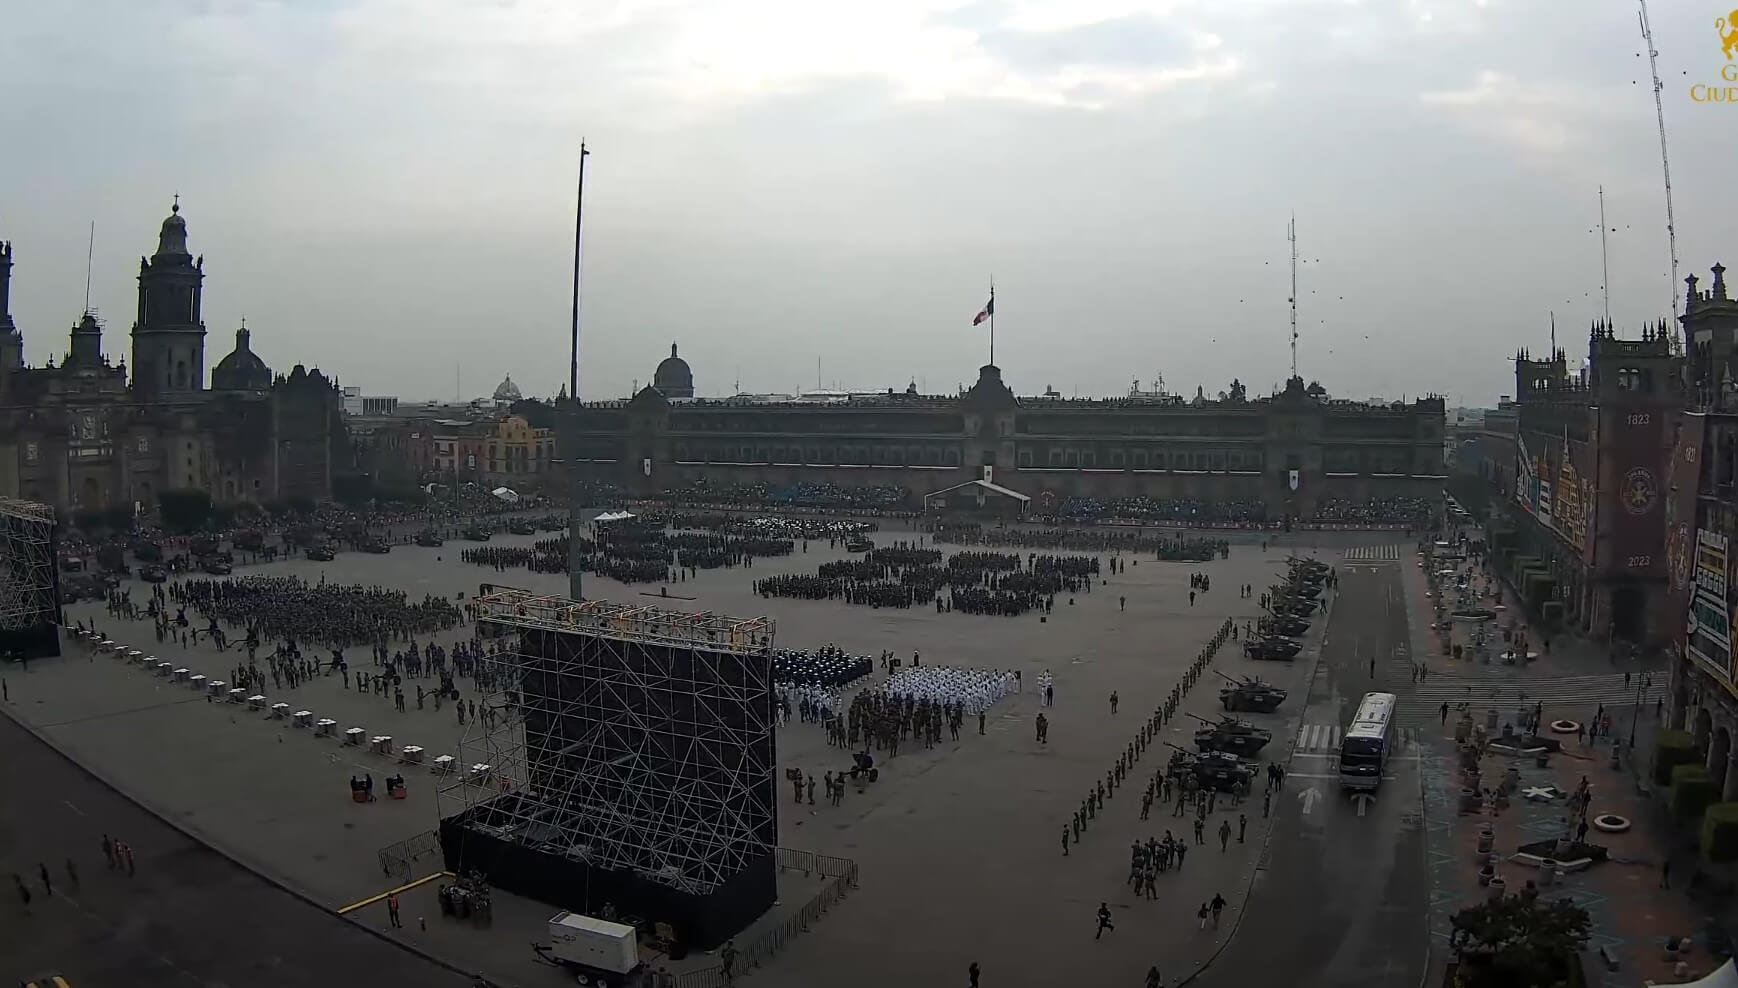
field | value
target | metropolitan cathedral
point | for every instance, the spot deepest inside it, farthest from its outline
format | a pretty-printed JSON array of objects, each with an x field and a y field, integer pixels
[{"x": 88, "y": 433}]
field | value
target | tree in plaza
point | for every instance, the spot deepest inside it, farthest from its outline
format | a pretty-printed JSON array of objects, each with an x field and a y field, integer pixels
[
  {"x": 185, "y": 510},
  {"x": 353, "y": 489},
  {"x": 1518, "y": 941}
]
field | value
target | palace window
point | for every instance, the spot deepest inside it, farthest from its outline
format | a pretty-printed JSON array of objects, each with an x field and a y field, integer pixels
[{"x": 1025, "y": 459}]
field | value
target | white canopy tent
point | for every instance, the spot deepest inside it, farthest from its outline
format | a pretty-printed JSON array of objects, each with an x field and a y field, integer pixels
[
  {"x": 609, "y": 516},
  {"x": 506, "y": 494}
]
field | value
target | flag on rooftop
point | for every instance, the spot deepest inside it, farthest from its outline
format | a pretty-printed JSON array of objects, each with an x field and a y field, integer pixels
[{"x": 988, "y": 310}]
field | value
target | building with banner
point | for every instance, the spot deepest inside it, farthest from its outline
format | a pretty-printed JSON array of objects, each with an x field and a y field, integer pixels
[
  {"x": 1701, "y": 532},
  {"x": 1587, "y": 550},
  {"x": 1293, "y": 453}
]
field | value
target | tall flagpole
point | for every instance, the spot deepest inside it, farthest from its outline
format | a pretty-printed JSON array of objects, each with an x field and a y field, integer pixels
[
  {"x": 992, "y": 308},
  {"x": 574, "y": 519}
]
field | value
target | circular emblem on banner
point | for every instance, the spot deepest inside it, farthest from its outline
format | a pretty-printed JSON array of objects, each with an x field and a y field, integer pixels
[
  {"x": 1640, "y": 491},
  {"x": 1678, "y": 555}
]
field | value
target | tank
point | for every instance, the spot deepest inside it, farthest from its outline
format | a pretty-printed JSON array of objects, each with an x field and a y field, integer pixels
[
  {"x": 1228, "y": 734},
  {"x": 1250, "y": 694},
  {"x": 1211, "y": 769}
]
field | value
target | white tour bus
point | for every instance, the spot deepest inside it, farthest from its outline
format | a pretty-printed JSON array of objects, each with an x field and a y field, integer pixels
[{"x": 1365, "y": 745}]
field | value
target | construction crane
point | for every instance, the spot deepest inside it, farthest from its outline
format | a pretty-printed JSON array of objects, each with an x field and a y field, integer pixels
[{"x": 1647, "y": 36}]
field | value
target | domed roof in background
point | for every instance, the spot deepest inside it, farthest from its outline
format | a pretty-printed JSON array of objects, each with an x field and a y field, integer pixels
[
  {"x": 242, "y": 369},
  {"x": 172, "y": 236},
  {"x": 673, "y": 377},
  {"x": 508, "y": 391}
]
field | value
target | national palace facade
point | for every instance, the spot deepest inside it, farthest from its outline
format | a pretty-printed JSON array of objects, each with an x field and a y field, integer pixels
[{"x": 1291, "y": 451}]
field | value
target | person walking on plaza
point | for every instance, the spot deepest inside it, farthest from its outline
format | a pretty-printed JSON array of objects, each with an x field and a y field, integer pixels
[
  {"x": 1224, "y": 835},
  {"x": 47, "y": 886},
  {"x": 1202, "y": 913},
  {"x": 1104, "y": 922},
  {"x": 392, "y": 911},
  {"x": 1153, "y": 979},
  {"x": 1218, "y": 905},
  {"x": 109, "y": 851},
  {"x": 727, "y": 960},
  {"x": 1113, "y": 702},
  {"x": 972, "y": 973}
]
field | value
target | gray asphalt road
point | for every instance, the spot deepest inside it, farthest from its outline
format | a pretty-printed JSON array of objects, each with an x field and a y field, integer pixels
[
  {"x": 1342, "y": 895},
  {"x": 188, "y": 917}
]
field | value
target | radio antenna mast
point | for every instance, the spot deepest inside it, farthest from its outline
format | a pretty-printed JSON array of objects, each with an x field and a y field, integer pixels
[
  {"x": 1647, "y": 36},
  {"x": 1291, "y": 236},
  {"x": 1605, "y": 259}
]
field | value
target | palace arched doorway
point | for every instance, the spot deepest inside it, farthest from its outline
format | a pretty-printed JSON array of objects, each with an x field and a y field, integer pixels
[{"x": 1628, "y": 613}]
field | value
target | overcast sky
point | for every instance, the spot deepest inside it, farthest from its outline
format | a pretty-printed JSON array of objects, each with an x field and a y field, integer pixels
[{"x": 384, "y": 188}]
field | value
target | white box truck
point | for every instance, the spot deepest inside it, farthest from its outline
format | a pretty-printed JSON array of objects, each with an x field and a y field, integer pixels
[{"x": 600, "y": 952}]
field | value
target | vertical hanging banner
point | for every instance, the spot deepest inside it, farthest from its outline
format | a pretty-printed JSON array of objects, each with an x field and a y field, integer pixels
[
  {"x": 646, "y": 466},
  {"x": 989, "y": 474},
  {"x": 1292, "y": 477}
]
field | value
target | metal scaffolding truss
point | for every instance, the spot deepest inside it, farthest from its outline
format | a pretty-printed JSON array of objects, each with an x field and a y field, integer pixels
[
  {"x": 27, "y": 564},
  {"x": 627, "y": 622},
  {"x": 641, "y": 740}
]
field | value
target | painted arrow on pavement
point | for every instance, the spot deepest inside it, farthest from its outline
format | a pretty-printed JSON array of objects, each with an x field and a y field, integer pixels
[
  {"x": 1363, "y": 799},
  {"x": 1309, "y": 797}
]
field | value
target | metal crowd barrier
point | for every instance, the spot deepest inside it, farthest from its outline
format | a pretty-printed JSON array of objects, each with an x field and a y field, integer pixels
[{"x": 841, "y": 874}]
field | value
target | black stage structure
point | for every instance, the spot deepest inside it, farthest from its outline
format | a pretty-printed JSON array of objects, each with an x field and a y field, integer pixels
[
  {"x": 30, "y": 615},
  {"x": 632, "y": 766}
]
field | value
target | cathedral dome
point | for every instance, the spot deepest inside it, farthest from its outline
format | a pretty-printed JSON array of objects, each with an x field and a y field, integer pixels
[
  {"x": 508, "y": 392},
  {"x": 242, "y": 370},
  {"x": 673, "y": 377},
  {"x": 172, "y": 238}
]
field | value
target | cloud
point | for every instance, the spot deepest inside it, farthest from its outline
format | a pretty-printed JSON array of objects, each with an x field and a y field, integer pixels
[{"x": 385, "y": 187}]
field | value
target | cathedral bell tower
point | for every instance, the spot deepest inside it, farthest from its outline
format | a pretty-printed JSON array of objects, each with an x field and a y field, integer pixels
[
  {"x": 168, "y": 336},
  {"x": 11, "y": 341}
]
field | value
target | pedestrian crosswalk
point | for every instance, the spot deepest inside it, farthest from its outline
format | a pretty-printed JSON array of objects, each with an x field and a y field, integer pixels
[
  {"x": 1320, "y": 739},
  {"x": 1574, "y": 697},
  {"x": 1371, "y": 553}
]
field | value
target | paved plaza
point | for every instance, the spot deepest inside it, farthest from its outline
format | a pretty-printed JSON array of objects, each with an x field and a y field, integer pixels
[{"x": 959, "y": 846}]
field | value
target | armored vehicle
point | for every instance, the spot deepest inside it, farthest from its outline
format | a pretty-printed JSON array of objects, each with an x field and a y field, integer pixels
[{"x": 1250, "y": 694}]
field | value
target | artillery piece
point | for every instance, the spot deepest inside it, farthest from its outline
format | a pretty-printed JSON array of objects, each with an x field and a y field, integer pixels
[
  {"x": 1228, "y": 734},
  {"x": 1210, "y": 770},
  {"x": 1250, "y": 694}
]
